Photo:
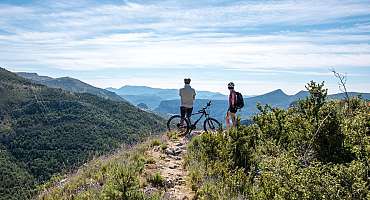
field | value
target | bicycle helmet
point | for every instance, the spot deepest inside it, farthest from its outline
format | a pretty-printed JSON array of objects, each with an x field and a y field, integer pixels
[
  {"x": 187, "y": 80},
  {"x": 231, "y": 85}
]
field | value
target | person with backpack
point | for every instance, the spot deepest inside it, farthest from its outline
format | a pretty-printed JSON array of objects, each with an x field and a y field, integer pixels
[{"x": 236, "y": 102}]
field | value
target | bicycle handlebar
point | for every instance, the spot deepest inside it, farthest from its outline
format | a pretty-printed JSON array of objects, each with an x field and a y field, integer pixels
[{"x": 205, "y": 107}]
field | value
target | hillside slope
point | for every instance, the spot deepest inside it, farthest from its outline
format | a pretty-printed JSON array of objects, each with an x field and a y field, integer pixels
[
  {"x": 286, "y": 154},
  {"x": 50, "y": 130},
  {"x": 71, "y": 84},
  {"x": 153, "y": 170}
]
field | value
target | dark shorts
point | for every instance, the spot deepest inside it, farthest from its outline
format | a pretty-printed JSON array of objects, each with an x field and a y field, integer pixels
[
  {"x": 186, "y": 112},
  {"x": 232, "y": 109}
]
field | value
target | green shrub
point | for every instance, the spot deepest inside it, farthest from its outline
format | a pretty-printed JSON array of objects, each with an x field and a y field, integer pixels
[
  {"x": 156, "y": 180},
  {"x": 314, "y": 150},
  {"x": 155, "y": 142},
  {"x": 163, "y": 146}
]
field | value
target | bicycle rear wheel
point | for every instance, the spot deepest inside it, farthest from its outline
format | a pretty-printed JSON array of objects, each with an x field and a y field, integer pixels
[
  {"x": 212, "y": 125},
  {"x": 174, "y": 125}
]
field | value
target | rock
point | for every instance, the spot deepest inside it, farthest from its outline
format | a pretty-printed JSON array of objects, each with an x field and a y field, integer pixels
[
  {"x": 179, "y": 144},
  {"x": 174, "y": 157},
  {"x": 177, "y": 151},
  {"x": 174, "y": 166},
  {"x": 150, "y": 191},
  {"x": 181, "y": 182},
  {"x": 167, "y": 196},
  {"x": 169, "y": 151},
  {"x": 156, "y": 148},
  {"x": 168, "y": 183}
]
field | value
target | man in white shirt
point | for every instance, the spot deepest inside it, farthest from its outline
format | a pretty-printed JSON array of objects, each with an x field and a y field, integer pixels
[{"x": 187, "y": 95}]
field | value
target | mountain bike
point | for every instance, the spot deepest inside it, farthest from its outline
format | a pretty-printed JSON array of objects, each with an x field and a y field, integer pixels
[{"x": 185, "y": 127}]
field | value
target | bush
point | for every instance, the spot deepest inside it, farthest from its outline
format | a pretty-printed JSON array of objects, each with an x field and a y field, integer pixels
[
  {"x": 314, "y": 150},
  {"x": 156, "y": 180}
]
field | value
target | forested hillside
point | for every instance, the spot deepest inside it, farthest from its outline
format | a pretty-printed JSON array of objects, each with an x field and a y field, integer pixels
[{"x": 44, "y": 131}]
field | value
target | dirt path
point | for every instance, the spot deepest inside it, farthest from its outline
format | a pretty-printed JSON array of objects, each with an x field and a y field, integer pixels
[{"x": 169, "y": 163}]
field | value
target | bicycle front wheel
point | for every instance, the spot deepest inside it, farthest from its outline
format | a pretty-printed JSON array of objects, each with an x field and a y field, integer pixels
[
  {"x": 212, "y": 125},
  {"x": 174, "y": 124}
]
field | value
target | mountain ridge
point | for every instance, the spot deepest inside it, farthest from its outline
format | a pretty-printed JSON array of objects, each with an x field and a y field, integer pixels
[{"x": 70, "y": 84}]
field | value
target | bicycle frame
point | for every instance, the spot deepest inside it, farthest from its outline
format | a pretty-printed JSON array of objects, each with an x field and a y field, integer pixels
[{"x": 203, "y": 112}]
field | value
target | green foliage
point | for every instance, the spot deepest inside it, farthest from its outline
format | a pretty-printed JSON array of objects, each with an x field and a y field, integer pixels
[
  {"x": 156, "y": 180},
  {"x": 172, "y": 135},
  {"x": 118, "y": 176},
  {"x": 314, "y": 150},
  {"x": 163, "y": 146},
  {"x": 49, "y": 131},
  {"x": 156, "y": 142},
  {"x": 15, "y": 181}
]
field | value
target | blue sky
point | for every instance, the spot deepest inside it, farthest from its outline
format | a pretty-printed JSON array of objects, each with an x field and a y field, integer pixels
[{"x": 260, "y": 45}]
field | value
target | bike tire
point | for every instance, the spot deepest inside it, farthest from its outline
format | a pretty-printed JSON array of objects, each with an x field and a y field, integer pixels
[
  {"x": 173, "y": 125},
  {"x": 213, "y": 125}
]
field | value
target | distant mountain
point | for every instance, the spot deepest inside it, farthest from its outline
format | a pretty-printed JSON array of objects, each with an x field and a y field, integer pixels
[
  {"x": 153, "y": 96},
  {"x": 152, "y": 101},
  {"x": 218, "y": 109},
  {"x": 70, "y": 84},
  {"x": 44, "y": 131},
  {"x": 350, "y": 94}
]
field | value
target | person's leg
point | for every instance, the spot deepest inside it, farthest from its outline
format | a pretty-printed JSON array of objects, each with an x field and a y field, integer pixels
[
  {"x": 189, "y": 111},
  {"x": 227, "y": 119},
  {"x": 233, "y": 119},
  {"x": 182, "y": 112}
]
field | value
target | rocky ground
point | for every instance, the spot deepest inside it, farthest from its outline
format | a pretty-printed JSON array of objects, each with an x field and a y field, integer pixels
[{"x": 169, "y": 163}]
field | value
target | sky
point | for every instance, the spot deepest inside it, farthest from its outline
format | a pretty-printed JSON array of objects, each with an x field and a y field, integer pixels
[{"x": 259, "y": 45}]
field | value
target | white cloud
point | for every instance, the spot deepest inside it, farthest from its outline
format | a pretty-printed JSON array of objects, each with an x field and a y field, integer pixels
[{"x": 244, "y": 35}]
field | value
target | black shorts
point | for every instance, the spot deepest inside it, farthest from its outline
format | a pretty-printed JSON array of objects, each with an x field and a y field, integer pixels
[
  {"x": 185, "y": 112},
  {"x": 233, "y": 109}
]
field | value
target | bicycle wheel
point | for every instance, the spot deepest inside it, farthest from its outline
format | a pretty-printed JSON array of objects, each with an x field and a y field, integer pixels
[
  {"x": 174, "y": 125},
  {"x": 212, "y": 125}
]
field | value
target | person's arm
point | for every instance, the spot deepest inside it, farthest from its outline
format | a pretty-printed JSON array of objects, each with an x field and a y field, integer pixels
[{"x": 194, "y": 94}]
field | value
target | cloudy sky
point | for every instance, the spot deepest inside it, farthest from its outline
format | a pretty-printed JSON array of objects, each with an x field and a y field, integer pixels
[{"x": 260, "y": 45}]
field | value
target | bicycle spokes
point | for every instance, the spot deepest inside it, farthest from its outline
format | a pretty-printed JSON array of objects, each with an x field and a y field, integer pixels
[{"x": 176, "y": 124}]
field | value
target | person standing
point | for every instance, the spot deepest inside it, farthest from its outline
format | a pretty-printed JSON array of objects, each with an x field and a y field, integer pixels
[
  {"x": 231, "y": 112},
  {"x": 187, "y": 94}
]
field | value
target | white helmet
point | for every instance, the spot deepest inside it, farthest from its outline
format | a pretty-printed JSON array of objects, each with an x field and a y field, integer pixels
[{"x": 231, "y": 85}]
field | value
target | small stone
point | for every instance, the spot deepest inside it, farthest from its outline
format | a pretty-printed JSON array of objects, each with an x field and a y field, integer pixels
[
  {"x": 173, "y": 166},
  {"x": 149, "y": 191},
  {"x": 177, "y": 151},
  {"x": 156, "y": 148},
  {"x": 169, "y": 183},
  {"x": 179, "y": 144},
  {"x": 169, "y": 151}
]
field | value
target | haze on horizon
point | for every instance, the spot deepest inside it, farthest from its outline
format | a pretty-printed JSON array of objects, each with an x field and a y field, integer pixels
[{"x": 259, "y": 45}]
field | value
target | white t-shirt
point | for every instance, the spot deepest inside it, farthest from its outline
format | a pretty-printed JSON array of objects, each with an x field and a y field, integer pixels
[{"x": 187, "y": 95}]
